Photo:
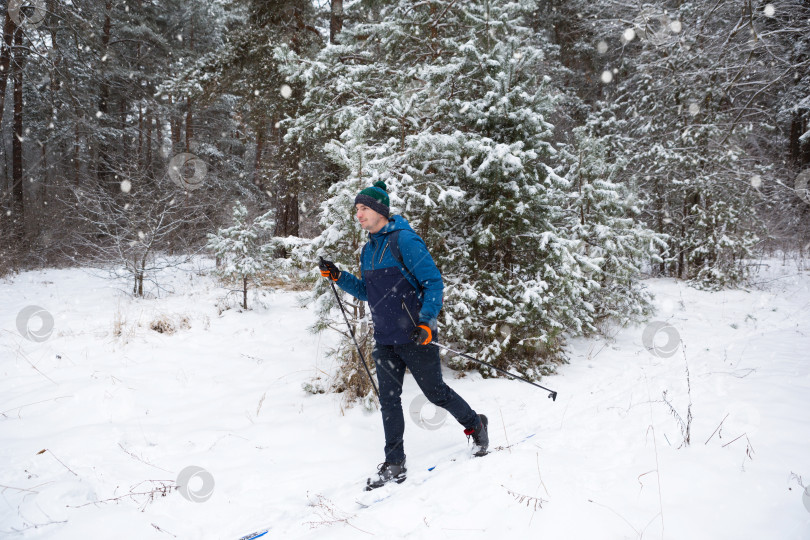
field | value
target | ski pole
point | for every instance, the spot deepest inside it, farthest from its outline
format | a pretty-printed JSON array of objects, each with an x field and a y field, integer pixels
[
  {"x": 351, "y": 331},
  {"x": 552, "y": 394}
]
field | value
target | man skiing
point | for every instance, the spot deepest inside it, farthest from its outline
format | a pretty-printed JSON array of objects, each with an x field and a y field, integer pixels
[{"x": 399, "y": 280}]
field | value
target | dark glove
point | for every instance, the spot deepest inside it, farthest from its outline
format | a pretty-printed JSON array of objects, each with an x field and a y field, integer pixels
[
  {"x": 422, "y": 335},
  {"x": 329, "y": 269}
]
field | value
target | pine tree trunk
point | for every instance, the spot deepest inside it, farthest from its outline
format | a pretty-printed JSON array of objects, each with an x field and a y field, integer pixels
[
  {"x": 158, "y": 136},
  {"x": 140, "y": 137},
  {"x": 287, "y": 213},
  {"x": 44, "y": 168},
  {"x": 189, "y": 124},
  {"x": 76, "y": 151},
  {"x": 659, "y": 221},
  {"x": 103, "y": 171},
  {"x": 148, "y": 151},
  {"x": 336, "y": 20},
  {"x": 17, "y": 192},
  {"x": 122, "y": 121},
  {"x": 257, "y": 162},
  {"x": 5, "y": 60},
  {"x": 189, "y": 101},
  {"x": 244, "y": 291},
  {"x": 174, "y": 124}
]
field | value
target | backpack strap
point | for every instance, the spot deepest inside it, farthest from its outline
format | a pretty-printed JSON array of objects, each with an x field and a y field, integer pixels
[{"x": 393, "y": 243}]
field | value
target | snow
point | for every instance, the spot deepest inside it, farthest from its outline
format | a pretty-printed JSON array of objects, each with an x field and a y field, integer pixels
[{"x": 107, "y": 408}]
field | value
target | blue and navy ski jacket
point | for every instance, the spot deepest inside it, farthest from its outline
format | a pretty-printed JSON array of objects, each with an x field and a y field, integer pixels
[{"x": 384, "y": 283}]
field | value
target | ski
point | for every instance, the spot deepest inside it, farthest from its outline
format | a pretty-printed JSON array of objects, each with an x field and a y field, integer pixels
[
  {"x": 256, "y": 534},
  {"x": 375, "y": 496},
  {"x": 507, "y": 447}
]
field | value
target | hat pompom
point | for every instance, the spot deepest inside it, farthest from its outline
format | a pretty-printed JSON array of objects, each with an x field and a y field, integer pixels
[{"x": 380, "y": 184}]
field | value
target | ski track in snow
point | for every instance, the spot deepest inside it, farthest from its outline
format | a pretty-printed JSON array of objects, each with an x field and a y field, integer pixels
[{"x": 95, "y": 427}]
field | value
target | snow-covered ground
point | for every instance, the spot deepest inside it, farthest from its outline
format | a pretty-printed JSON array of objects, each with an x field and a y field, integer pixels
[{"x": 101, "y": 415}]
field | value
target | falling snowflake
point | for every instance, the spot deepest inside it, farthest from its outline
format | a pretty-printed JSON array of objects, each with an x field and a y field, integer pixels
[
  {"x": 607, "y": 76},
  {"x": 769, "y": 10},
  {"x": 601, "y": 47},
  {"x": 629, "y": 35},
  {"x": 286, "y": 91},
  {"x": 126, "y": 186},
  {"x": 676, "y": 26}
]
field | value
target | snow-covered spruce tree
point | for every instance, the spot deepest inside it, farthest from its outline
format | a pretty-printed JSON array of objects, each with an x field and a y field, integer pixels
[
  {"x": 446, "y": 102},
  {"x": 517, "y": 282},
  {"x": 341, "y": 241},
  {"x": 240, "y": 253},
  {"x": 606, "y": 220}
]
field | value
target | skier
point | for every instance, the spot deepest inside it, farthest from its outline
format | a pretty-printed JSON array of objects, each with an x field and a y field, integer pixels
[{"x": 396, "y": 268}]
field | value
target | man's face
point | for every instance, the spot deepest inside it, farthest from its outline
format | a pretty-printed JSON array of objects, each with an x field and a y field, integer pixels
[{"x": 370, "y": 220}]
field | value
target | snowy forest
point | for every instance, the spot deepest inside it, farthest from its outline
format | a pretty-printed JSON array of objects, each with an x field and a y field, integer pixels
[
  {"x": 616, "y": 196},
  {"x": 552, "y": 154}
]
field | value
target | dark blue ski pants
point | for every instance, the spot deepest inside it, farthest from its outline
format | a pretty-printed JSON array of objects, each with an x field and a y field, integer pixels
[{"x": 425, "y": 366}]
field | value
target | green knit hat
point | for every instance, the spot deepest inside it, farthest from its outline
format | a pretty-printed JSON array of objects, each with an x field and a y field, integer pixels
[{"x": 376, "y": 198}]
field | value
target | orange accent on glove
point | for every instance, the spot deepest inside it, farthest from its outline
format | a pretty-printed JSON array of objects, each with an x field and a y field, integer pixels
[
  {"x": 329, "y": 270},
  {"x": 429, "y": 337}
]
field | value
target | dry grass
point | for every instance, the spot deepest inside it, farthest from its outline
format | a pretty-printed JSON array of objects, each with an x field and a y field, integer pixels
[
  {"x": 283, "y": 283},
  {"x": 165, "y": 324},
  {"x": 121, "y": 328}
]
